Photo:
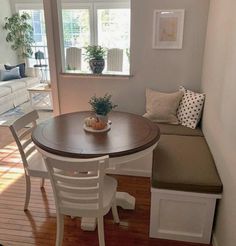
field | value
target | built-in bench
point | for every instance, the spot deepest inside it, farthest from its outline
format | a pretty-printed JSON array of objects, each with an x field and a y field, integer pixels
[{"x": 185, "y": 186}]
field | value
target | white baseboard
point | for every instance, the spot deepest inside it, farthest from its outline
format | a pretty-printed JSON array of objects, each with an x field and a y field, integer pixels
[{"x": 214, "y": 241}]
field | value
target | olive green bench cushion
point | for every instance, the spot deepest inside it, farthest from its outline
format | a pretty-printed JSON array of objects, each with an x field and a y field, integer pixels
[
  {"x": 184, "y": 163},
  {"x": 168, "y": 129}
]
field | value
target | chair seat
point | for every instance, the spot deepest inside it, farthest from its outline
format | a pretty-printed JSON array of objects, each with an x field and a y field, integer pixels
[
  {"x": 109, "y": 191},
  {"x": 36, "y": 166}
]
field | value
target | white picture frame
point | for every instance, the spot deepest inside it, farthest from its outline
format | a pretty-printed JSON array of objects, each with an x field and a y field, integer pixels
[{"x": 168, "y": 28}]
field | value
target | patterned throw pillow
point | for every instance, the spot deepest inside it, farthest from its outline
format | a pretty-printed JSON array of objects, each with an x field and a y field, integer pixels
[{"x": 190, "y": 108}]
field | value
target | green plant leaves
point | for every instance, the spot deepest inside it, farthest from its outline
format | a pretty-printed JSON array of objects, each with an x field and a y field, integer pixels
[
  {"x": 102, "y": 105},
  {"x": 20, "y": 34},
  {"x": 95, "y": 52}
]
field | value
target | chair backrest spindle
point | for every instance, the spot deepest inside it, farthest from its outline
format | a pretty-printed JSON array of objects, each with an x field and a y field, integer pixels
[
  {"x": 77, "y": 183},
  {"x": 115, "y": 60},
  {"x": 21, "y": 130},
  {"x": 73, "y": 58}
]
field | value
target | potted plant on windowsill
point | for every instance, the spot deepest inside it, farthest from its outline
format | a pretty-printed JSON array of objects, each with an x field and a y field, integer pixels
[
  {"x": 95, "y": 54},
  {"x": 101, "y": 106}
]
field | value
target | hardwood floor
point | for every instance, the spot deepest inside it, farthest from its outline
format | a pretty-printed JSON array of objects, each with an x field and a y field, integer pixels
[{"x": 38, "y": 225}]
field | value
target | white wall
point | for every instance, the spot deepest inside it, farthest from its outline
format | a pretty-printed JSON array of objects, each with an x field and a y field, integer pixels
[
  {"x": 219, "y": 124},
  {"x": 6, "y": 53},
  {"x": 164, "y": 70}
]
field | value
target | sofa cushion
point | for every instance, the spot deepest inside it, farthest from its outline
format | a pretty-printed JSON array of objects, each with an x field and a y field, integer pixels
[
  {"x": 4, "y": 91},
  {"x": 169, "y": 129},
  {"x": 15, "y": 85},
  {"x": 30, "y": 81},
  {"x": 32, "y": 72},
  {"x": 184, "y": 163}
]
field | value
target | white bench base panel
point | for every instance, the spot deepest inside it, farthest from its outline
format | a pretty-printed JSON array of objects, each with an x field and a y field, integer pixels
[
  {"x": 137, "y": 164},
  {"x": 183, "y": 216}
]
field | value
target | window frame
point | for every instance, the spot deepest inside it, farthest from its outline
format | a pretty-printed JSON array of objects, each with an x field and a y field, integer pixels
[
  {"x": 87, "y": 6},
  {"x": 28, "y": 6},
  {"x": 93, "y": 7},
  {"x": 105, "y": 5},
  {"x": 72, "y": 6},
  {"x": 34, "y": 6}
]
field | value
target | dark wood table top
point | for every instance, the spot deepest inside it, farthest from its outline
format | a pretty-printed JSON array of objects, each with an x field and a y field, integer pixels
[{"x": 64, "y": 135}]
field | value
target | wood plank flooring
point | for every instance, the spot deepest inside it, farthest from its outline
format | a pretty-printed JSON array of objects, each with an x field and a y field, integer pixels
[{"x": 37, "y": 226}]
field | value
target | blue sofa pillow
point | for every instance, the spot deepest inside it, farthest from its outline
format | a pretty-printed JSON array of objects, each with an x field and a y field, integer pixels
[
  {"x": 20, "y": 66},
  {"x": 10, "y": 74}
]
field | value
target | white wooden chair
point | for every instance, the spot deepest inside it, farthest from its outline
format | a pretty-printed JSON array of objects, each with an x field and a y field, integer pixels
[
  {"x": 115, "y": 60},
  {"x": 73, "y": 58},
  {"x": 32, "y": 160},
  {"x": 81, "y": 189}
]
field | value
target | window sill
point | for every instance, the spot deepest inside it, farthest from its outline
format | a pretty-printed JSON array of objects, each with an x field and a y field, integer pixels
[{"x": 96, "y": 76}]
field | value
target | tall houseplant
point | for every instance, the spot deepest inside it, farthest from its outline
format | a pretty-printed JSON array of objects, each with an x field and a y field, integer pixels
[
  {"x": 95, "y": 54},
  {"x": 20, "y": 34}
]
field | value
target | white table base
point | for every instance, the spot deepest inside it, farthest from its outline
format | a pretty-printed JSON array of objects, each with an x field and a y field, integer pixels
[
  {"x": 123, "y": 199},
  {"x": 88, "y": 224}
]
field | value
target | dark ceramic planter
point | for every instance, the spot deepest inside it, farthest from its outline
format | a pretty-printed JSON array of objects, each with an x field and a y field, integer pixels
[{"x": 97, "y": 66}]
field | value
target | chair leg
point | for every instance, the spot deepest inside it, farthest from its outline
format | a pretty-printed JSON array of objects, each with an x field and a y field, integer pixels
[
  {"x": 101, "y": 231},
  {"x": 115, "y": 212},
  {"x": 28, "y": 191},
  {"x": 42, "y": 183},
  {"x": 60, "y": 229}
]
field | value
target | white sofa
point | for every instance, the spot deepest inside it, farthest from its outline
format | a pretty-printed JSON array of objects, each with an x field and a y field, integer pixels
[{"x": 14, "y": 92}]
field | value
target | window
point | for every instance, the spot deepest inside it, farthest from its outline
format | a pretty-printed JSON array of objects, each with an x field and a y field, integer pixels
[
  {"x": 103, "y": 23},
  {"x": 114, "y": 31},
  {"x": 37, "y": 21},
  {"x": 40, "y": 40},
  {"x": 76, "y": 32},
  {"x": 76, "y": 29}
]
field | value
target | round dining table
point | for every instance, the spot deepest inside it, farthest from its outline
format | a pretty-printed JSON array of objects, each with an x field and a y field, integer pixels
[{"x": 129, "y": 138}]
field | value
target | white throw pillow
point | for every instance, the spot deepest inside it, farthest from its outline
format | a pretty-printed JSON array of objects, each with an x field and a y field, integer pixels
[
  {"x": 190, "y": 108},
  {"x": 162, "y": 107}
]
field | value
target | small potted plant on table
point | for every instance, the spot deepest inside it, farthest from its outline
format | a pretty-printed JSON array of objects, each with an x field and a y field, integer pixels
[
  {"x": 101, "y": 106},
  {"x": 95, "y": 54}
]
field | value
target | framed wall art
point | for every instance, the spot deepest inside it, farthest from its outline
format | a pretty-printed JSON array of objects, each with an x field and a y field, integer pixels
[{"x": 168, "y": 28}]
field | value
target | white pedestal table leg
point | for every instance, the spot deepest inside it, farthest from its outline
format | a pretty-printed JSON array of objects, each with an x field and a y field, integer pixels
[{"x": 123, "y": 199}]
